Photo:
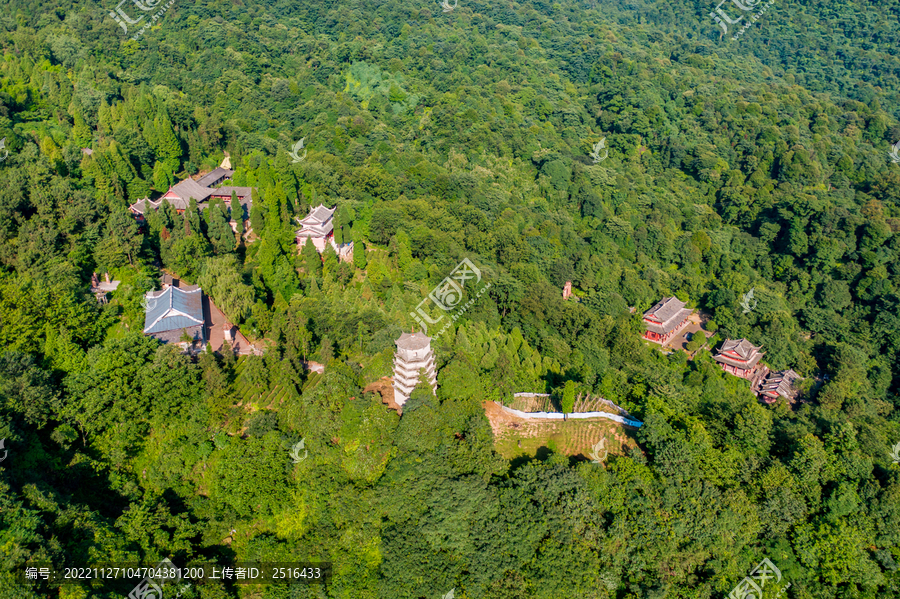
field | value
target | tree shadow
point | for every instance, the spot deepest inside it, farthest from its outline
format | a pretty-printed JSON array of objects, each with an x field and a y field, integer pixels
[
  {"x": 542, "y": 454},
  {"x": 553, "y": 379}
]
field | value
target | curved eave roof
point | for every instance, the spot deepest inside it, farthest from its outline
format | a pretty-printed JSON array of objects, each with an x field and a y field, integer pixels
[{"x": 173, "y": 309}]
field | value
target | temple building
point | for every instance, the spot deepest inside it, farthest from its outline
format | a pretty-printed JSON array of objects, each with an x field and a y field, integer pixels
[
  {"x": 139, "y": 209},
  {"x": 739, "y": 357},
  {"x": 172, "y": 312},
  {"x": 318, "y": 227},
  {"x": 413, "y": 354},
  {"x": 202, "y": 190},
  {"x": 665, "y": 319},
  {"x": 781, "y": 383}
]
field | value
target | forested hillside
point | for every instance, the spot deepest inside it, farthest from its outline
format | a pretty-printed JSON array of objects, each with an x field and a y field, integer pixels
[{"x": 759, "y": 164}]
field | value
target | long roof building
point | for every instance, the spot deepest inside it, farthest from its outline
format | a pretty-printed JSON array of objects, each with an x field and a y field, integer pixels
[
  {"x": 202, "y": 190},
  {"x": 665, "y": 318}
]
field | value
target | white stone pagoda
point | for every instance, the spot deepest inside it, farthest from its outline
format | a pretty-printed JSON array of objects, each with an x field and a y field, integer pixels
[{"x": 413, "y": 353}]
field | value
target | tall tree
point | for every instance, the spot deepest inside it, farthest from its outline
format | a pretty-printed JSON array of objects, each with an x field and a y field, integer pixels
[
  {"x": 568, "y": 397},
  {"x": 359, "y": 254},
  {"x": 222, "y": 281},
  {"x": 312, "y": 261}
]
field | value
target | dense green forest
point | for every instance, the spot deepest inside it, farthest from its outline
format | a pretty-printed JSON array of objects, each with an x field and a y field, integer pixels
[{"x": 754, "y": 164}]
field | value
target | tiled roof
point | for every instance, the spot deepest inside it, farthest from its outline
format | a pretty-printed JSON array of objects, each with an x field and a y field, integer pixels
[
  {"x": 243, "y": 193},
  {"x": 318, "y": 215},
  {"x": 318, "y": 223},
  {"x": 741, "y": 347},
  {"x": 140, "y": 207},
  {"x": 780, "y": 383},
  {"x": 180, "y": 194},
  {"x": 186, "y": 190},
  {"x": 173, "y": 309},
  {"x": 321, "y": 213},
  {"x": 748, "y": 355},
  {"x": 669, "y": 311},
  {"x": 215, "y": 176},
  {"x": 665, "y": 308},
  {"x": 413, "y": 341},
  {"x": 315, "y": 231}
]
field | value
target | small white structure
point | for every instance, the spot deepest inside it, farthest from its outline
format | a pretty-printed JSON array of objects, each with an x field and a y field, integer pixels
[{"x": 413, "y": 354}]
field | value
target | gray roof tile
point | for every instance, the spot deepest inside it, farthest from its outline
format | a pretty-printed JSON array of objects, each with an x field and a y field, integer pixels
[
  {"x": 214, "y": 176},
  {"x": 173, "y": 309},
  {"x": 747, "y": 354},
  {"x": 781, "y": 383},
  {"x": 413, "y": 341},
  {"x": 669, "y": 311}
]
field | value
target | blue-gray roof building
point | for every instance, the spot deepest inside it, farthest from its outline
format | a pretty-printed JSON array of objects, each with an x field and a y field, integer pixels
[{"x": 172, "y": 312}]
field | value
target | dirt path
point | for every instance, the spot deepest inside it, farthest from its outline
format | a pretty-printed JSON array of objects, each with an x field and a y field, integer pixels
[{"x": 500, "y": 419}]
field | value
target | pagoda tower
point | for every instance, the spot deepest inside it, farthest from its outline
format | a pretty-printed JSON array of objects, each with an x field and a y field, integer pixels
[{"x": 413, "y": 354}]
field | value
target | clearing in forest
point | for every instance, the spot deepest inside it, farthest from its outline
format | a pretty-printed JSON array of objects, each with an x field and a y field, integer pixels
[
  {"x": 517, "y": 437},
  {"x": 254, "y": 396}
]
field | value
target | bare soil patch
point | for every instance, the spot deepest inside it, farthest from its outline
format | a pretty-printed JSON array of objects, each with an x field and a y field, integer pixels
[{"x": 385, "y": 388}]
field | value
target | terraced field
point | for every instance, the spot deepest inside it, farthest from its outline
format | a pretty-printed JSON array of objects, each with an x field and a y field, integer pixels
[
  {"x": 516, "y": 437},
  {"x": 252, "y": 398},
  {"x": 583, "y": 403},
  {"x": 572, "y": 437}
]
